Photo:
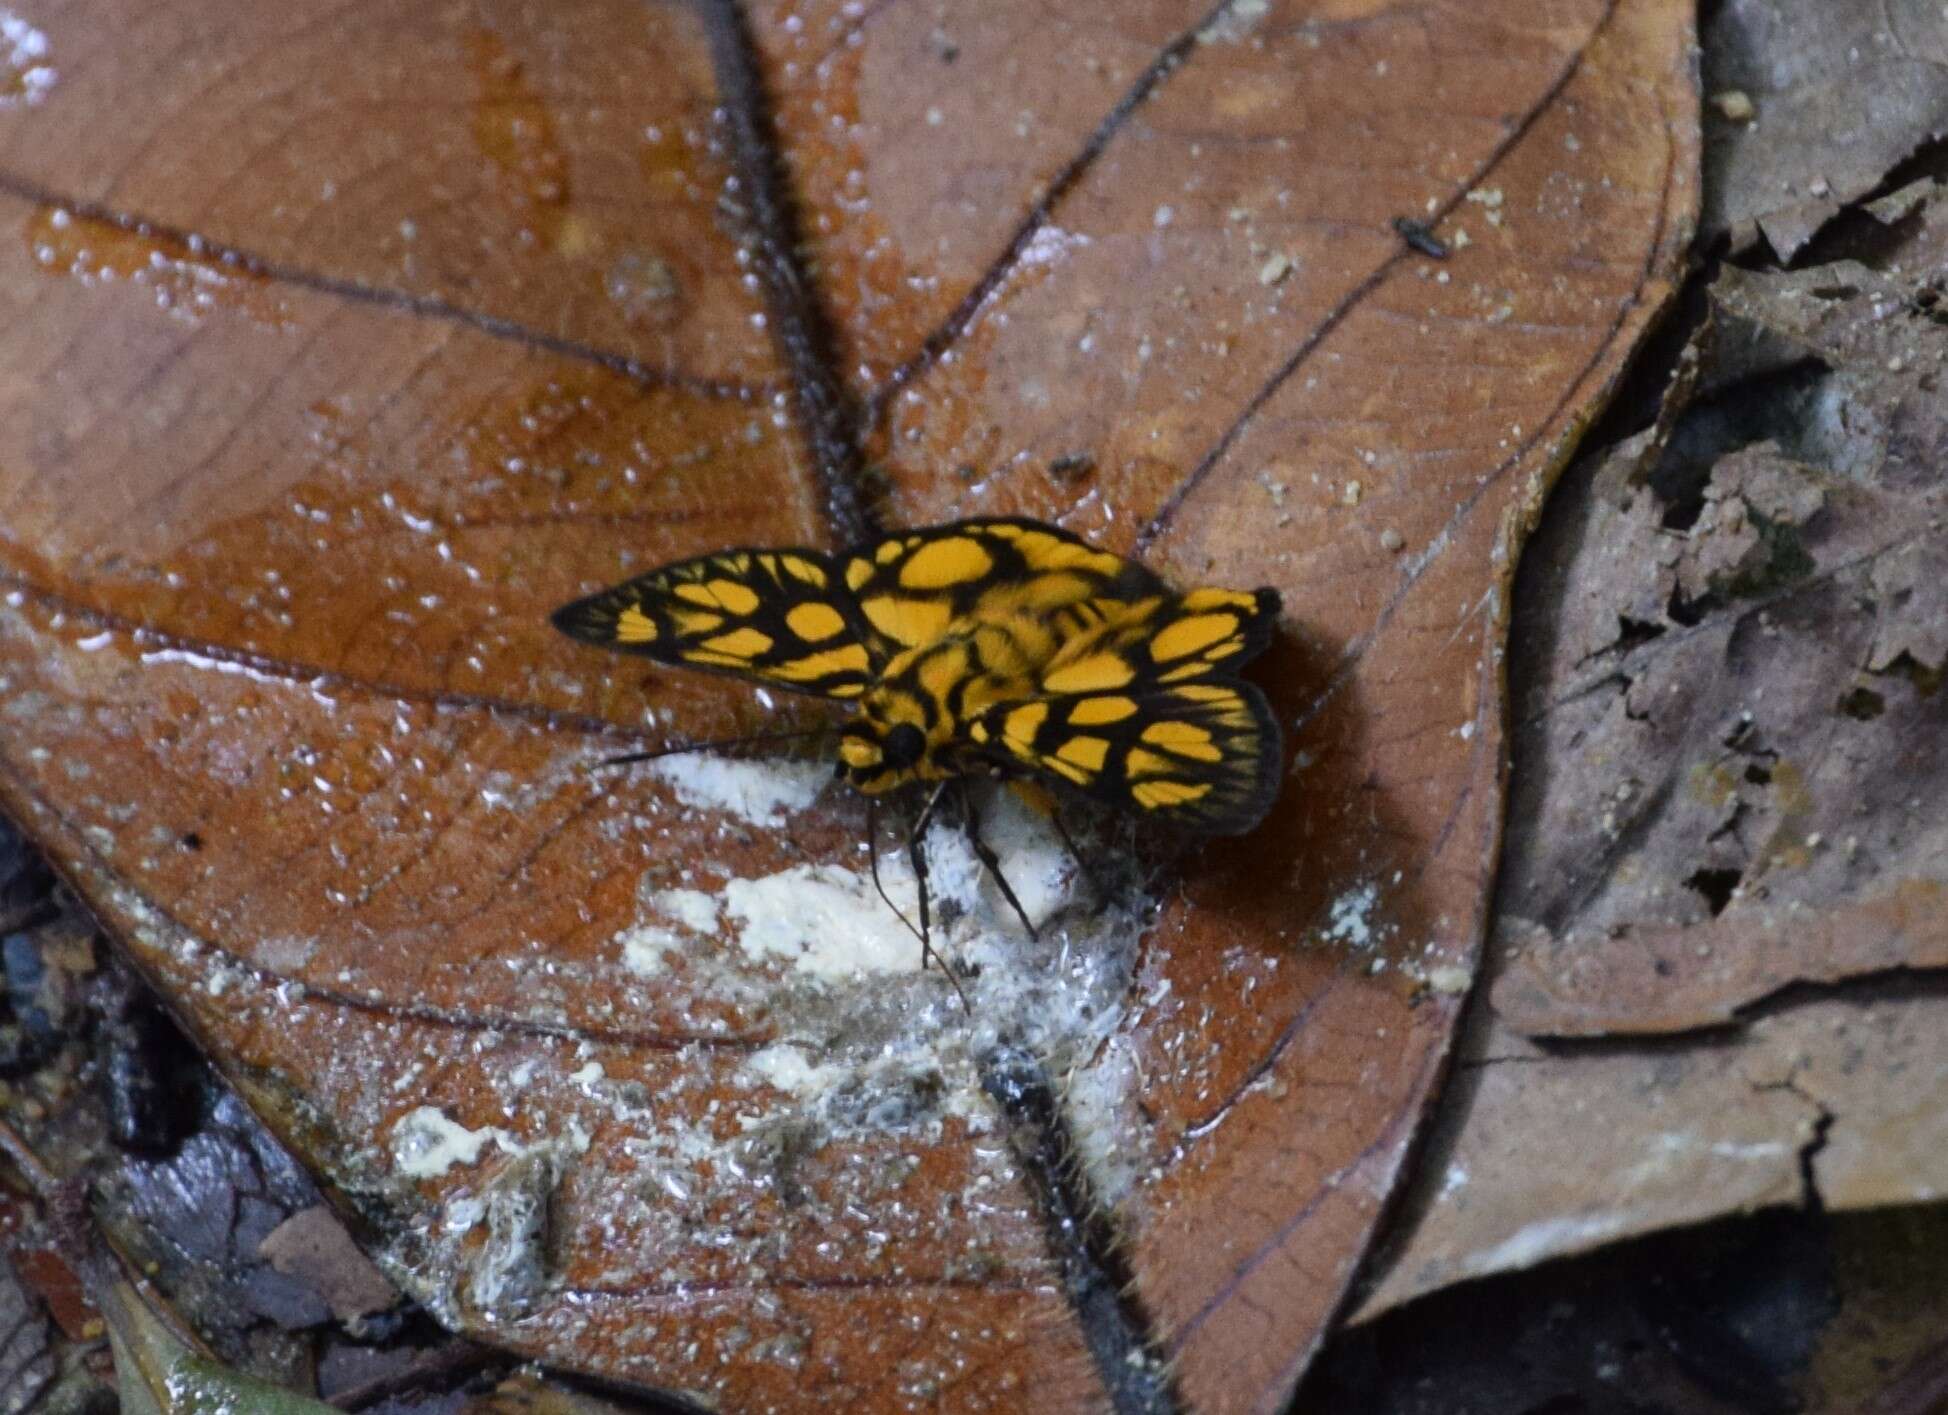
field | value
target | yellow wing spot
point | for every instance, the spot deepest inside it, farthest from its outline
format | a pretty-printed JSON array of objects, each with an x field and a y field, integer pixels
[
  {"x": 707, "y": 659},
  {"x": 940, "y": 563},
  {"x": 693, "y": 622},
  {"x": 1094, "y": 712},
  {"x": 978, "y": 730},
  {"x": 1068, "y": 769},
  {"x": 1153, "y": 795},
  {"x": 911, "y": 622},
  {"x": 1005, "y": 532},
  {"x": 858, "y": 752},
  {"x": 985, "y": 690},
  {"x": 1137, "y": 762},
  {"x": 1023, "y": 723},
  {"x": 635, "y": 627},
  {"x": 846, "y": 690},
  {"x": 744, "y": 643},
  {"x": 810, "y": 571},
  {"x": 1043, "y": 551},
  {"x": 1095, "y": 673},
  {"x": 1085, "y": 752},
  {"x": 1197, "y": 668},
  {"x": 695, "y": 594},
  {"x": 1205, "y": 693},
  {"x": 813, "y": 622},
  {"x": 737, "y": 598},
  {"x": 888, "y": 552},
  {"x": 1199, "y": 600},
  {"x": 939, "y": 672},
  {"x": 858, "y": 570},
  {"x": 1187, "y": 636},
  {"x": 1186, "y": 739},
  {"x": 850, "y": 658}
]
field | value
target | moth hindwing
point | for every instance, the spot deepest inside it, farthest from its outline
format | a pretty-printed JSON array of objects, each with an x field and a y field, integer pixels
[{"x": 1145, "y": 712}]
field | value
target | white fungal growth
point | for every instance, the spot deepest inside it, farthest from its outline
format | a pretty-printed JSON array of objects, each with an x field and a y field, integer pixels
[
  {"x": 759, "y": 792},
  {"x": 426, "y": 1143},
  {"x": 692, "y": 908},
  {"x": 1350, "y": 919},
  {"x": 825, "y": 921},
  {"x": 869, "y": 1042}
]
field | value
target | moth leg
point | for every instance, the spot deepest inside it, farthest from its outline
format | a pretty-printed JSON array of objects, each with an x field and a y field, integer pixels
[
  {"x": 990, "y": 861},
  {"x": 872, "y": 858},
  {"x": 1075, "y": 853},
  {"x": 916, "y": 846},
  {"x": 916, "y": 850}
]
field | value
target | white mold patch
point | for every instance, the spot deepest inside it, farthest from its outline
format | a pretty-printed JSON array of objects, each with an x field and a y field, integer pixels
[
  {"x": 646, "y": 948},
  {"x": 1350, "y": 919},
  {"x": 787, "y": 1068},
  {"x": 284, "y": 953},
  {"x": 692, "y": 908},
  {"x": 825, "y": 921},
  {"x": 759, "y": 792},
  {"x": 870, "y": 1044},
  {"x": 426, "y": 1143}
]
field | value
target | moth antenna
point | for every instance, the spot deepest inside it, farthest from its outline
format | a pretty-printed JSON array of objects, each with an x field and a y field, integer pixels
[{"x": 750, "y": 740}]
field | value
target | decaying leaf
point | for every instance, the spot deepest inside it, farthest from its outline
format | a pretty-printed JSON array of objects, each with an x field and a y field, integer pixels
[
  {"x": 301, "y": 443},
  {"x": 1744, "y": 737},
  {"x": 1729, "y": 757},
  {"x": 1810, "y": 106},
  {"x": 313, "y": 1245}
]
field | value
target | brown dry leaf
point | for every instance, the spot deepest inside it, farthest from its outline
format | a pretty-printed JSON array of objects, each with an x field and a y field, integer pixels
[
  {"x": 341, "y": 346},
  {"x": 1729, "y": 762},
  {"x": 1810, "y": 105}
]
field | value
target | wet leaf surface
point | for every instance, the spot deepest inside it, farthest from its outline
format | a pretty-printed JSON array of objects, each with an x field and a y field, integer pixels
[
  {"x": 358, "y": 341},
  {"x": 1725, "y": 863}
]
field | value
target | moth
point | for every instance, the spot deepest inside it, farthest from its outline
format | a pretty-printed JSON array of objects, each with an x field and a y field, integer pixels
[{"x": 994, "y": 647}]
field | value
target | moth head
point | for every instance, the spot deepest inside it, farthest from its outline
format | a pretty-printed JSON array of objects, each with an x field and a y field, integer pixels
[{"x": 883, "y": 746}]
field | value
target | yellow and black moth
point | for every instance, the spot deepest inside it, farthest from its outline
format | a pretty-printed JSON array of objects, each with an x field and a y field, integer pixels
[{"x": 995, "y": 647}]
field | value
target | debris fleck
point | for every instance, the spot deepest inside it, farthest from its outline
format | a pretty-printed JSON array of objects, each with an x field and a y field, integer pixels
[
  {"x": 1420, "y": 237},
  {"x": 1734, "y": 105}
]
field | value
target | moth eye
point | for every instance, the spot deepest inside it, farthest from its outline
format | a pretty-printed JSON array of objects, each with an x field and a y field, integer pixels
[{"x": 905, "y": 745}]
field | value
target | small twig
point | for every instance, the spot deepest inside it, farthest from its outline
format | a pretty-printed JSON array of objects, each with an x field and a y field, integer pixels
[{"x": 42, "y": 1180}]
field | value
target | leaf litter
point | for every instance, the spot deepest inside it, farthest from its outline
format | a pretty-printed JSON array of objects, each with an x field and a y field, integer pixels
[
  {"x": 1811, "y": 106},
  {"x": 1725, "y": 865}
]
